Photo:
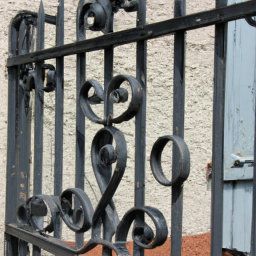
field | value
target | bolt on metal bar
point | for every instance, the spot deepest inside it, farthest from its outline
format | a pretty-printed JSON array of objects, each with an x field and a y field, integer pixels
[
  {"x": 188, "y": 22},
  {"x": 59, "y": 105},
  {"x": 39, "y": 113},
  {"x": 218, "y": 135},
  {"x": 80, "y": 118},
  {"x": 178, "y": 128},
  {"x": 140, "y": 124}
]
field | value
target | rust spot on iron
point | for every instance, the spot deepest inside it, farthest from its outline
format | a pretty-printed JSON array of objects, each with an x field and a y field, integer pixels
[{"x": 23, "y": 196}]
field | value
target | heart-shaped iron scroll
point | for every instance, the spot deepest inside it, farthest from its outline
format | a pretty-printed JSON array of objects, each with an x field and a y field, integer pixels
[
  {"x": 103, "y": 155},
  {"x": 184, "y": 160},
  {"x": 114, "y": 85}
]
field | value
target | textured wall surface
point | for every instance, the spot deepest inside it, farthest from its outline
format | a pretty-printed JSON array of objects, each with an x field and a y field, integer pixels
[{"x": 198, "y": 116}]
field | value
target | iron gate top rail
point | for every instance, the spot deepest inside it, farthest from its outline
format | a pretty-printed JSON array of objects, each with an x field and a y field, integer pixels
[{"x": 188, "y": 22}]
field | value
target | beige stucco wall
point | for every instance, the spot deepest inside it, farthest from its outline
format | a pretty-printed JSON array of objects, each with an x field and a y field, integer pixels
[{"x": 198, "y": 116}]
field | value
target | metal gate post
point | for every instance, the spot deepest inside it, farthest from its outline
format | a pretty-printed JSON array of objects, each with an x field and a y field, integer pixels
[
  {"x": 11, "y": 173},
  {"x": 218, "y": 135},
  {"x": 178, "y": 127},
  {"x": 140, "y": 124},
  {"x": 59, "y": 106},
  {"x": 80, "y": 119}
]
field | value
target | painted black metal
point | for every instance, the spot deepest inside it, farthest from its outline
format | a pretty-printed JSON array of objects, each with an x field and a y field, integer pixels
[
  {"x": 150, "y": 31},
  {"x": 251, "y": 21},
  {"x": 178, "y": 129},
  {"x": 39, "y": 113},
  {"x": 140, "y": 132},
  {"x": 59, "y": 106},
  {"x": 80, "y": 120},
  {"x": 183, "y": 157},
  {"x": 11, "y": 174},
  {"x": 218, "y": 135},
  {"x": 24, "y": 131},
  {"x": 114, "y": 84},
  {"x": 110, "y": 217},
  {"x": 24, "y": 216}
]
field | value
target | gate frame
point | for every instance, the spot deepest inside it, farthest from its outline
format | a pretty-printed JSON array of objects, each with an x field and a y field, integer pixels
[{"x": 16, "y": 143}]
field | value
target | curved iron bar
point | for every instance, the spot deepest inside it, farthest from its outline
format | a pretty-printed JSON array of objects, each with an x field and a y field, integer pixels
[
  {"x": 251, "y": 21},
  {"x": 78, "y": 224},
  {"x": 115, "y": 83},
  {"x": 184, "y": 160},
  {"x": 16, "y": 20},
  {"x": 107, "y": 184},
  {"x": 27, "y": 216},
  {"x": 85, "y": 101},
  {"x": 159, "y": 222},
  {"x": 136, "y": 98}
]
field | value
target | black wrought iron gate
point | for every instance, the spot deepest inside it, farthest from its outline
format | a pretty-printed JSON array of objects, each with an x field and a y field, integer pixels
[{"x": 27, "y": 72}]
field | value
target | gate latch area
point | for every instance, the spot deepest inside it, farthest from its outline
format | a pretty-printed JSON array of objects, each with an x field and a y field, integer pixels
[{"x": 241, "y": 161}]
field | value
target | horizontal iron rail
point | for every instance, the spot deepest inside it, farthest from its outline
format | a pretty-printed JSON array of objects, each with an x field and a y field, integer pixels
[
  {"x": 48, "y": 243},
  {"x": 188, "y": 22}
]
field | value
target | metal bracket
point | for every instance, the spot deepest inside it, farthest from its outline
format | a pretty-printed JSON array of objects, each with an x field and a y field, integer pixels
[
  {"x": 240, "y": 161},
  {"x": 241, "y": 170}
]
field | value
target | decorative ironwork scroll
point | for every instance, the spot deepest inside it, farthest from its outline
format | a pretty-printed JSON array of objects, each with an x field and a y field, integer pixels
[{"x": 72, "y": 207}]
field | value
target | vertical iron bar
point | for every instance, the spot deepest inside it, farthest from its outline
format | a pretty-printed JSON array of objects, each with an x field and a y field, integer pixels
[
  {"x": 39, "y": 113},
  {"x": 24, "y": 135},
  {"x": 59, "y": 104},
  {"x": 140, "y": 122},
  {"x": 218, "y": 134},
  {"x": 108, "y": 75},
  {"x": 12, "y": 245},
  {"x": 178, "y": 128},
  {"x": 23, "y": 248},
  {"x": 39, "y": 107},
  {"x": 80, "y": 119},
  {"x": 11, "y": 169}
]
